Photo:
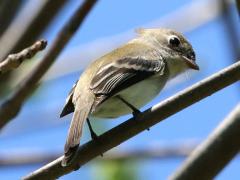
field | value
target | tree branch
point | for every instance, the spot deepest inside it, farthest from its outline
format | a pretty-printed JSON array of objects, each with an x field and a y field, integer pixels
[
  {"x": 231, "y": 28},
  {"x": 11, "y": 107},
  {"x": 238, "y": 6},
  {"x": 148, "y": 118},
  {"x": 8, "y": 11},
  {"x": 215, "y": 152},
  {"x": 14, "y": 60}
]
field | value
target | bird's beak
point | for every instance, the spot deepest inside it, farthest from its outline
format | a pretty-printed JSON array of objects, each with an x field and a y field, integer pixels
[{"x": 190, "y": 61}]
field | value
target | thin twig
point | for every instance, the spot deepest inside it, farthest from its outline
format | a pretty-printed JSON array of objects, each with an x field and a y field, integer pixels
[
  {"x": 11, "y": 107},
  {"x": 14, "y": 60},
  {"x": 31, "y": 21},
  {"x": 148, "y": 118},
  {"x": 214, "y": 153},
  {"x": 29, "y": 27}
]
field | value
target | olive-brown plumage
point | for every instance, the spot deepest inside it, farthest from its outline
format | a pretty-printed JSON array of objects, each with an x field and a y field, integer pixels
[{"x": 135, "y": 72}]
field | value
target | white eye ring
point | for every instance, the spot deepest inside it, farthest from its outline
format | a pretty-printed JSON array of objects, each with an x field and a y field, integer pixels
[{"x": 174, "y": 41}]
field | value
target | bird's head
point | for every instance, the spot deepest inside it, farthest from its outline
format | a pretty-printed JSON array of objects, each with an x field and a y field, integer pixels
[{"x": 173, "y": 47}]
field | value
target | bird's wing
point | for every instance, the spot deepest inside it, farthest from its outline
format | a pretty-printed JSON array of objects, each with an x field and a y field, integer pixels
[
  {"x": 123, "y": 73},
  {"x": 69, "y": 106}
]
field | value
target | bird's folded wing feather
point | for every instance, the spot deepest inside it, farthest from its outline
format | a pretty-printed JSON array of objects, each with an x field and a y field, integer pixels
[
  {"x": 123, "y": 73},
  {"x": 69, "y": 106}
]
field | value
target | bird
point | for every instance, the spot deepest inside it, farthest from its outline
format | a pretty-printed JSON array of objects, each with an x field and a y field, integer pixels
[{"x": 124, "y": 80}]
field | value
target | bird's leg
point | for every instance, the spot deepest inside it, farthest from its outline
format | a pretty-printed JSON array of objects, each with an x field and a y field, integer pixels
[
  {"x": 135, "y": 112},
  {"x": 93, "y": 134}
]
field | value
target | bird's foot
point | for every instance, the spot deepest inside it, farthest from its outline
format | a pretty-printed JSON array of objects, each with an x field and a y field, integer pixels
[
  {"x": 94, "y": 136},
  {"x": 136, "y": 113}
]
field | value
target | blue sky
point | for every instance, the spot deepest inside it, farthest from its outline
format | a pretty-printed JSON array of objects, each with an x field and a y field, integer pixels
[{"x": 30, "y": 131}]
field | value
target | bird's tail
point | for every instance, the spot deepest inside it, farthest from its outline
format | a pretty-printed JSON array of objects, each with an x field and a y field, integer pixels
[{"x": 75, "y": 132}]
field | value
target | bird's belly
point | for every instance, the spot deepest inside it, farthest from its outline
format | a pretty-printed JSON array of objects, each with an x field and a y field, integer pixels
[{"x": 138, "y": 95}]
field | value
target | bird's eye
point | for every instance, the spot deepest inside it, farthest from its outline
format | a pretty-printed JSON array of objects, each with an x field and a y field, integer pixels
[{"x": 174, "y": 41}]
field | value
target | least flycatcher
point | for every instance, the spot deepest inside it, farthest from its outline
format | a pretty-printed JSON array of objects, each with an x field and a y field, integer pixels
[{"x": 125, "y": 79}]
